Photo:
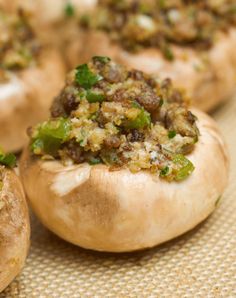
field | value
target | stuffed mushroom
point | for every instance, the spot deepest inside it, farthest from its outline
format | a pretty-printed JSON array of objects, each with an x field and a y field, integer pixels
[
  {"x": 54, "y": 21},
  {"x": 192, "y": 42},
  {"x": 122, "y": 164},
  {"x": 52, "y": 12},
  {"x": 14, "y": 222},
  {"x": 30, "y": 75}
]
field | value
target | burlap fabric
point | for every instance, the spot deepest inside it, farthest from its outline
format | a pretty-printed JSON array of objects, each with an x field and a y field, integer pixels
[{"x": 202, "y": 263}]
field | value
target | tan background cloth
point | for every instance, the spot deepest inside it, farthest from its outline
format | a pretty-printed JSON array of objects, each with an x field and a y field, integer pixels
[{"x": 202, "y": 263}]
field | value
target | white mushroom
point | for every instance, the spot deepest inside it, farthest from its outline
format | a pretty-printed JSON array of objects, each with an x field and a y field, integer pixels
[
  {"x": 119, "y": 211},
  {"x": 14, "y": 227}
]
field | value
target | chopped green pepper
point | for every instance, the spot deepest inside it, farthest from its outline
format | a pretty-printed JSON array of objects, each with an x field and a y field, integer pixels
[
  {"x": 142, "y": 120},
  {"x": 37, "y": 146},
  {"x": 85, "y": 78},
  {"x": 186, "y": 167},
  {"x": 50, "y": 136},
  {"x": 95, "y": 96}
]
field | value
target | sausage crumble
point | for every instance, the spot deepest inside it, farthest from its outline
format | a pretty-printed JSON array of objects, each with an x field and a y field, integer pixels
[{"x": 121, "y": 118}]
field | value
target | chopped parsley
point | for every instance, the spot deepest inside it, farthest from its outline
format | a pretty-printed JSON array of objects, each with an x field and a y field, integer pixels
[
  {"x": 164, "y": 172},
  {"x": 85, "y": 77},
  {"x": 171, "y": 134},
  {"x": 69, "y": 10},
  {"x": 7, "y": 159}
]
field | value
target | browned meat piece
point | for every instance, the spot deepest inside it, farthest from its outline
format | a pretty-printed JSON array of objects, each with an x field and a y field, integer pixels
[
  {"x": 57, "y": 109},
  {"x": 112, "y": 142},
  {"x": 64, "y": 104},
  {"x": 74, "y": 151},
  {"x": 182, "y": 121},
  {"x": 136, "y": 136}
]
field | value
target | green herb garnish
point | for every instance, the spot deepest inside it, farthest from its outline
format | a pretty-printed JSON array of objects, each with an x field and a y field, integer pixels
[
  {"x": 85, "y": 77},
  {"x": 7, "y": 159},
  {"x": 69, "y": 10},
  {"x": 171, "y": 134}
]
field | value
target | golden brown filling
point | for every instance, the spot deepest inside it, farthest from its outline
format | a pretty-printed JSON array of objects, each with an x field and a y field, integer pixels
[
  {"x": 18, "y": 44},
  {"x": 107, "y": 114},
  {"x": 139, "y": 24}
]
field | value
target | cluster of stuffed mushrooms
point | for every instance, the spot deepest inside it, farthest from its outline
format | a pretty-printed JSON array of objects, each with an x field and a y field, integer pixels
[{"x": 122, "y": 158}]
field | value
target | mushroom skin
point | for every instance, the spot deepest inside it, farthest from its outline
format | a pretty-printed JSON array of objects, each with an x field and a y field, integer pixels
[
  {"x": 118, "y": 211},
  {"x": 14, "y": 227}
]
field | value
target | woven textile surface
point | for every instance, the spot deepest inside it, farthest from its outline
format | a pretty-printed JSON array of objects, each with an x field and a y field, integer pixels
[{"x": 201, "y": 263}]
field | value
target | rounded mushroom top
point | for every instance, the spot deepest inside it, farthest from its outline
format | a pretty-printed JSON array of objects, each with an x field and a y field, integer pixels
[
  {"x": 18, "y": 44},
  {"x": 122, "y": 118},
  {"x": 140, "y": 24}
]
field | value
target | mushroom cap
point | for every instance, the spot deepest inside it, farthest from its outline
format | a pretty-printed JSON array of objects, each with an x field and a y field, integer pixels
[
  {"x": 119, "y": 211},
  {"x": 14, "y": 228}
]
